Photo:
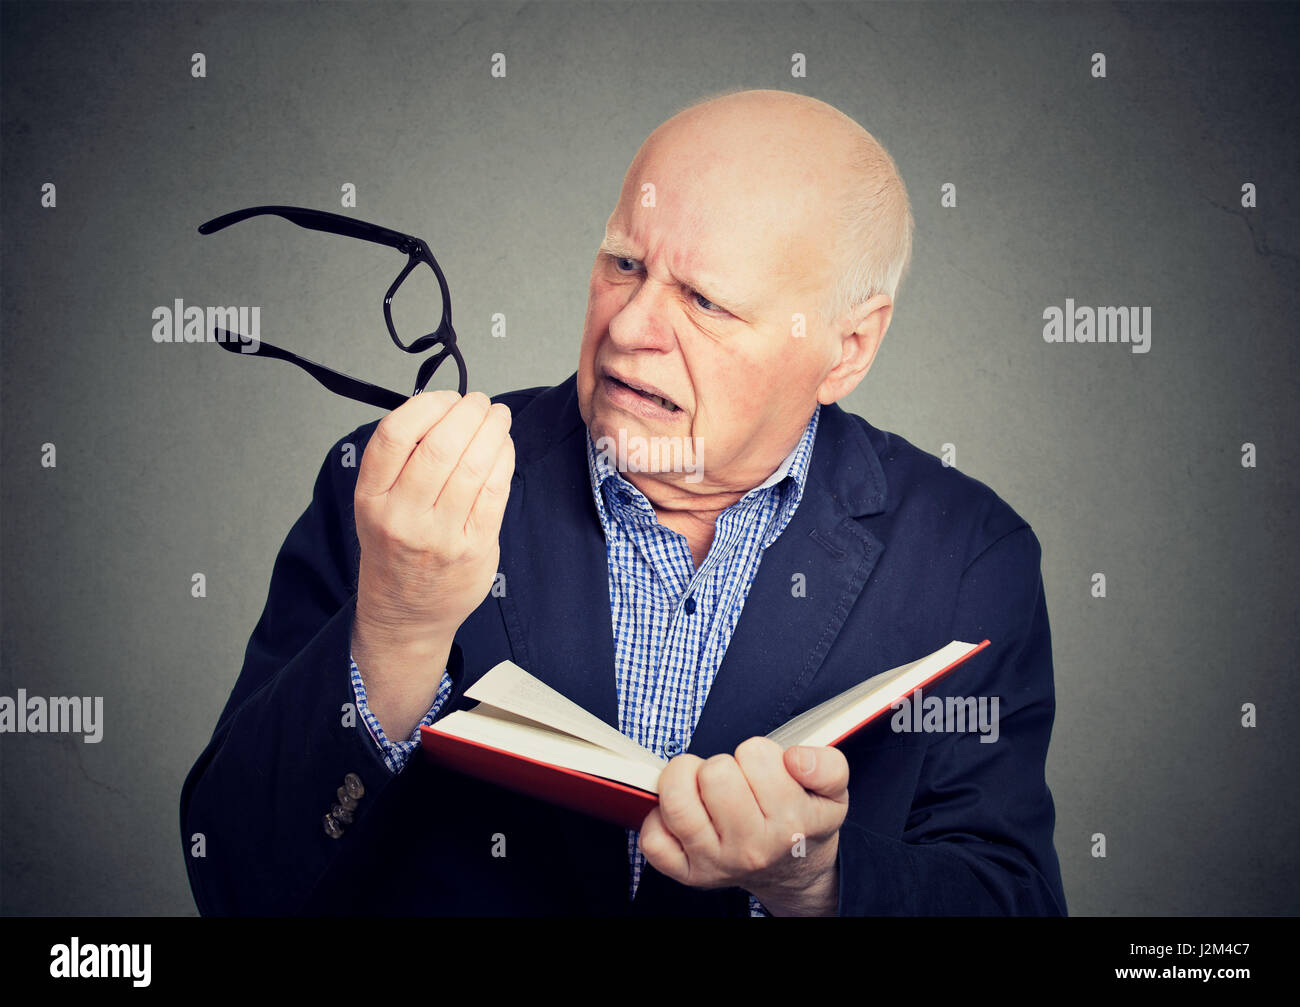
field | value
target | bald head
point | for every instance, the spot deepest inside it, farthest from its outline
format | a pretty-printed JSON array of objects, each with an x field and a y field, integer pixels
[
  {"x": 789, "y": 144},
  {"x": 754, "y": 127}
]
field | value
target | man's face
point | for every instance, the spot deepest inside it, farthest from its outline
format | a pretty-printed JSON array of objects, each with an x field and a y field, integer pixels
[{"x": 694, "y": 294}]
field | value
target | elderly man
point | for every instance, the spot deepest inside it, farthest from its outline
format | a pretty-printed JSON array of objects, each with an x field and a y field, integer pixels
[{"x": 689, "y": 539}]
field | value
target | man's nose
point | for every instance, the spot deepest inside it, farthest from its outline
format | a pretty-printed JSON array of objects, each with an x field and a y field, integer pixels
[{"x": 644, "y": 322}]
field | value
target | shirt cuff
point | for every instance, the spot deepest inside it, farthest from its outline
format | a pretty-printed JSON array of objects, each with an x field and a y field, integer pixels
[{"x": 395, "y": 753}]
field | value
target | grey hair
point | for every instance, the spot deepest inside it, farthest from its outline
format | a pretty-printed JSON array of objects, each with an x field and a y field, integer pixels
[{"x": 876, "y": 227}]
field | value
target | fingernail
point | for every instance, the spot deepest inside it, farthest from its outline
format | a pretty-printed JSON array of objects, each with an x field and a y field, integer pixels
[{"x": 807, "y": 760}]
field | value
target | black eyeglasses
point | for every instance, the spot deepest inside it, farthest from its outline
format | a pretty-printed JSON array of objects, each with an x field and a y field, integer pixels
[{"x": 335, "y": 381}]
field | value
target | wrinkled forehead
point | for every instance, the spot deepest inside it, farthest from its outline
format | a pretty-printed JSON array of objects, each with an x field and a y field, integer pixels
[{"x": 745, "y": 212}]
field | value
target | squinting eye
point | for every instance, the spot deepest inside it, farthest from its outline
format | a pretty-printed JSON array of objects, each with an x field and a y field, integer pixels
[
  {"x": 618, "y": 264},
  {"x": 707, "y": 305}
]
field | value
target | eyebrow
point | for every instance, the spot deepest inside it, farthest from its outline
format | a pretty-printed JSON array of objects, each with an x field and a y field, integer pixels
[{"x": 618, "y": 246}]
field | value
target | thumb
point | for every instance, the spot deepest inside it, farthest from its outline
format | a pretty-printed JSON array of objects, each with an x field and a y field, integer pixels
[{"x": 822, "y": 770}]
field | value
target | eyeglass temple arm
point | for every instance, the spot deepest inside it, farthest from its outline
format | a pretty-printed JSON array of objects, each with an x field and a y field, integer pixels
[
  {"x": 317, "y": 220},
  {"x": 340, "y": 384}
]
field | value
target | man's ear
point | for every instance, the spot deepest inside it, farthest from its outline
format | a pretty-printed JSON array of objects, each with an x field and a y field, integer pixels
[{"x": 859, "y": 335}]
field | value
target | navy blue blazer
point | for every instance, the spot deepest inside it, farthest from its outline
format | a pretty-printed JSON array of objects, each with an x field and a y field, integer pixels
[{"x": 899, "y": 555}]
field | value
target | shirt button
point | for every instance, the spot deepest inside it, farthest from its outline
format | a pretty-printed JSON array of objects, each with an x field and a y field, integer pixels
[
  {"x": 672, "y": 748},
  {"x": 690, "y": 606}
]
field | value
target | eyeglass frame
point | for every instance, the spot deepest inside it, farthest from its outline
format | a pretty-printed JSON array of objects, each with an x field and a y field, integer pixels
[{"x": 417, "y": 251}]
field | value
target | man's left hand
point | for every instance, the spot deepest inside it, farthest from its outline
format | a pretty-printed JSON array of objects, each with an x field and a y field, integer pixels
[{"x": 739, "y": 820}]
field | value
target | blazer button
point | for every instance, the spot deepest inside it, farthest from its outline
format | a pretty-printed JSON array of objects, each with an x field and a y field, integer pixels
[
  {"x": 332, "y": 828},
  {"x": 342, "y": 814},
  {"x": 352, "y": 784},
  {"x": 346, "y": 799}
]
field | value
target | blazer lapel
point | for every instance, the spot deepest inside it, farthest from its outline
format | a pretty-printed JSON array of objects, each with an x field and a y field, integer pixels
[
  {"x": 556, "y": 607},
  {"x": 556, "y": 599},
  {"x": 807, "y": 583}
]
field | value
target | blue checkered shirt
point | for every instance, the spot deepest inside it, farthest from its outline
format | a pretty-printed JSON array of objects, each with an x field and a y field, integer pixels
[{"x": 671, "y": 622}]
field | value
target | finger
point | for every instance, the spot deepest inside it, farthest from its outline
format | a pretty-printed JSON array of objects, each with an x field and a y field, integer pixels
[
  {"x": 396, "y": 437},
  {"x": 467, "y": 479},
  {"x": 490, "y": 507},
  {"x": 820, "y": 769},
  {"x": 827, "y": 779},
  {"x": 774, "y": 789},
  {"x": 681, "y": 808},
  {"x": 431, "y": 464},
  {"x": 662, "y": 849},
  {"x": 730, "y": 804}
]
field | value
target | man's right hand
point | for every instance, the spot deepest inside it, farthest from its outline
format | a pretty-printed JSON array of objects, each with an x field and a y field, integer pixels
[{"x": 430, "y": 497}]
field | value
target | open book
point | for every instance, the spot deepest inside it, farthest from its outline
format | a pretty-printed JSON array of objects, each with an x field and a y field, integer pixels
[{"x": 525, "y": 736}]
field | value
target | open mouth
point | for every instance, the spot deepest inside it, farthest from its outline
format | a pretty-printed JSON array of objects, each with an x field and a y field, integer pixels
[{"x": 658, "y": 400}]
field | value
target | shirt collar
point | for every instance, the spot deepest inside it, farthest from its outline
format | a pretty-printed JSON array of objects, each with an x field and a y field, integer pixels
[{"x": 629, "y": 503}]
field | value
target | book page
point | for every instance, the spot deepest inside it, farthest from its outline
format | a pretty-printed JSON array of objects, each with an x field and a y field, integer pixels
[
  {"x": 508, "y": 687},
  {"x": 830, "y": 720},
  {"x": 512, "y": 733}
]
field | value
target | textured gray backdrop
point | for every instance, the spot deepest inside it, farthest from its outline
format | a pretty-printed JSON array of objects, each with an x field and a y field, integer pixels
[{"x": 173, "y": 459}]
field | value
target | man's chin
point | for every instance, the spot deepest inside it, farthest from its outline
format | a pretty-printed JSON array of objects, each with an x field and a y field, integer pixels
[{"x": 639, "y": 451}]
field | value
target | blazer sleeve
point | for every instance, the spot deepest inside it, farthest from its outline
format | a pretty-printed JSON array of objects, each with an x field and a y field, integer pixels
[
  {"x": 253, "y": 806},
  {"x": 978, "y": 839}
]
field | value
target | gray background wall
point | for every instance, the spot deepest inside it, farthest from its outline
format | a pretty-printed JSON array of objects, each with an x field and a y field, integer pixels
[{"x": 181, "y": 458}]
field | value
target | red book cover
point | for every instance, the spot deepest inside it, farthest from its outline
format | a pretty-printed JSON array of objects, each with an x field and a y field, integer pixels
[{"x": 591, "y": 795}]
